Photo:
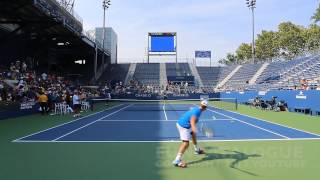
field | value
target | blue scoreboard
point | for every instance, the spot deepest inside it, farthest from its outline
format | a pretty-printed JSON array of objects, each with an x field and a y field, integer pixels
[{"x": 162, "y": 42}]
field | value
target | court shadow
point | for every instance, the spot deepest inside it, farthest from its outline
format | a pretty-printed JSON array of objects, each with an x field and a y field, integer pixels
[{"x": 236, "y": 156}]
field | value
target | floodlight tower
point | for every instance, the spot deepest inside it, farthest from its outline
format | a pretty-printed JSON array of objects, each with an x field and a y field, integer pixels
[
  {"x": 105, "y": 5},
  {"x": 251, "y": 4}
]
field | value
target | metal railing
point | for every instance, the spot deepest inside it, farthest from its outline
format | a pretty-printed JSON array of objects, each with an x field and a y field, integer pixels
[
  {"x": 70, "y": 11},
  {"x": 59, "y": 13},
  {"x": 91, "y": 36}
]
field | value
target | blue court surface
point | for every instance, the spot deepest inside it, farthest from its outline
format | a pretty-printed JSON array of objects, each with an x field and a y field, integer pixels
[{"x": 118, "y": 124}]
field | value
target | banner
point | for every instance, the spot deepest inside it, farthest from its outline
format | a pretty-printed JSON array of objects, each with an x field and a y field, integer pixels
[{"x": 203, "y": 54}]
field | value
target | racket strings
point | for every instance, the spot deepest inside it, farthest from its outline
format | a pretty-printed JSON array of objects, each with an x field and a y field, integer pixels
[{"x": 206, "y": 130}]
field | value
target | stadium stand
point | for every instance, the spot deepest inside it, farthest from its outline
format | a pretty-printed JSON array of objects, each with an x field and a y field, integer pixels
[
  {"x": 180, "y": 69},
  {"x": 243, "y": 76},
  {"x": 19, "y": 83},
  {"x": 197, "y": 79},
  {"x": 288, "y": 74},
  {"x": 268, "y": 76},
  {"x": 254, "y": 79},
  {"x": 303, "y": 69},
  {"x": 225, "y": 71},
  {"x": 115, "y": 73},
  {"x": 276, "y": 75},
  {"x": 148, "y": 74},
  {"x": 210, "y": 75}
]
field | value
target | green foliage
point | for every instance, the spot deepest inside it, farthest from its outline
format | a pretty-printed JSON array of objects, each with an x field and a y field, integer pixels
[
  {"x": 267, "y": 45},
  {"x": 312, "y": 38},
  {"x": 291, "y": 40},
  {"x": 244, "y": 52},
  {"x": 288, "y": 42},
  {"x": 316, "y": 16},
  {"x": 230, "y": 59}
]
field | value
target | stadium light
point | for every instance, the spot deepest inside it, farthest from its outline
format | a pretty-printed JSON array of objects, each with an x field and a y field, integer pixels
[
  {"x": 105, "y": 5},
  {"x": 251, "y": 4}
]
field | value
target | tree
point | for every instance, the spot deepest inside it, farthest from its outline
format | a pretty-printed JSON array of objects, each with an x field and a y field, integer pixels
[
  {"x": 312, "y": 38},
  {"x": 244, "y": 52},
  {"x": 316, "y": 16},
  {"x": 291, "y": 40},
  {"x": 267, "y": 45},
  {"x": 230, "y": 59}
]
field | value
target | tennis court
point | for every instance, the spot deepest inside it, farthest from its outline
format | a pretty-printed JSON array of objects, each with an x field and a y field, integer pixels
[{"x": 155, "y": 122}]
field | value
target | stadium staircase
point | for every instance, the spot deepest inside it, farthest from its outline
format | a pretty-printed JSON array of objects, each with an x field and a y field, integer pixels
[
  {"x": 225, "y": 80},
  {"x": 163, "y": 75},
  {"x": 197, "y": 78},
  {"x": 254, "y": 79},
  {"x": 130, "y": 73}
]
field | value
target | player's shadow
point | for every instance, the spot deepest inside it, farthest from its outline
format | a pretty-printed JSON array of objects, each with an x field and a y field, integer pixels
[{"x": 234, "y": 155}]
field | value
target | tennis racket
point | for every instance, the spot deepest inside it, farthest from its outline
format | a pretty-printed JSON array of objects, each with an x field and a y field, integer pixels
[{"x": 206, "y": 130}]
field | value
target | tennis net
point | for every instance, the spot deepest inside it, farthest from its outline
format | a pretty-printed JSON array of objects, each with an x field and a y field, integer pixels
[{"x": 165, "y": 105}]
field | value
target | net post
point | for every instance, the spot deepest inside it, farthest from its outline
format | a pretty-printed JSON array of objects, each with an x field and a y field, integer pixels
[
  {"x": 236, "y": 104},
  {"x": 91, "y": 104}
]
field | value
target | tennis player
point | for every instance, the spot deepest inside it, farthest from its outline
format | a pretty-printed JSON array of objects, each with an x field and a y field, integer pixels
[{"x": 186, "y": 126}]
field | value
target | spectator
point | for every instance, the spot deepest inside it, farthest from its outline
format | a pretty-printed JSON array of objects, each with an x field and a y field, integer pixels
[
  {"x": 83, "y": 96},
  {"x": 43, "y": 101},
  {"x": 1, "y": 91},
  {"x": 68, "y": 98},
  {"x": 24, "y": 67},
  {"x": 44, "y": 76},
  {"x": 76, "y": 103}
]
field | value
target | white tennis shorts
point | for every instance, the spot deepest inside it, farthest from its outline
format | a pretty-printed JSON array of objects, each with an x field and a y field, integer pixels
[{"x": 185, "y": 134}]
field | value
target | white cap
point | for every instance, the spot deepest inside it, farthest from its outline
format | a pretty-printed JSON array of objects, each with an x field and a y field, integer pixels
[{"x": 204, "y": 103}]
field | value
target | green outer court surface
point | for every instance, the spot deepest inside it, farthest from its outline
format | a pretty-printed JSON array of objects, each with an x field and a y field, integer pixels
[{"x": 263, "y": 160}]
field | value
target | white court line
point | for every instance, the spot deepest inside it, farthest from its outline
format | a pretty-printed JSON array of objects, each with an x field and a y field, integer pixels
[
  {"x": 270, "y": 122},
  {"x": 164, "y": 111},
  {"x": 67, "y": 123},
  {"x": 251, "y": 124},
  {"x": 175, "y": 141},
  {"x": 125, "y": 120},
  {"x": 91, "y": 123}
]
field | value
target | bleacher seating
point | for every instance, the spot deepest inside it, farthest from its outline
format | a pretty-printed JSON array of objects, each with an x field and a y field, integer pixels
[
  {"x": 180, "y": 69},
  {"x": 116, "y": 73},
  {"x": 270, "y": 74},
  {"x": 209, "y": 75},
  {"x": 277, "y": 75},
  {"x": 148, "y": 74},
  {"x": 225, "y": 71},
  {"x": 305, "y": 69},
  {"x": 243, "y": 76}
]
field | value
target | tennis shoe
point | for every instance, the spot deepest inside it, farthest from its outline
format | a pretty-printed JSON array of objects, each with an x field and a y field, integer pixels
[
  {"x": 179, "y": 163},
  {"x": 199, "y": 152}
]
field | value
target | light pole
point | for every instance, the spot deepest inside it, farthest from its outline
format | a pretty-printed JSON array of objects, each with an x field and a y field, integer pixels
[
  {"x": 251, "y": 4},
  {"x": 105, "y": 5}
]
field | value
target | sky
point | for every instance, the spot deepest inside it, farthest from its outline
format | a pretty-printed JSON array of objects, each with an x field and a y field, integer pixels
[{"x": 216, "y": 25}]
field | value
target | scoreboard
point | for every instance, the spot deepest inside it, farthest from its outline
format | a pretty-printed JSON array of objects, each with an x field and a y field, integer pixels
[{"x": 162, "y": 44}]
